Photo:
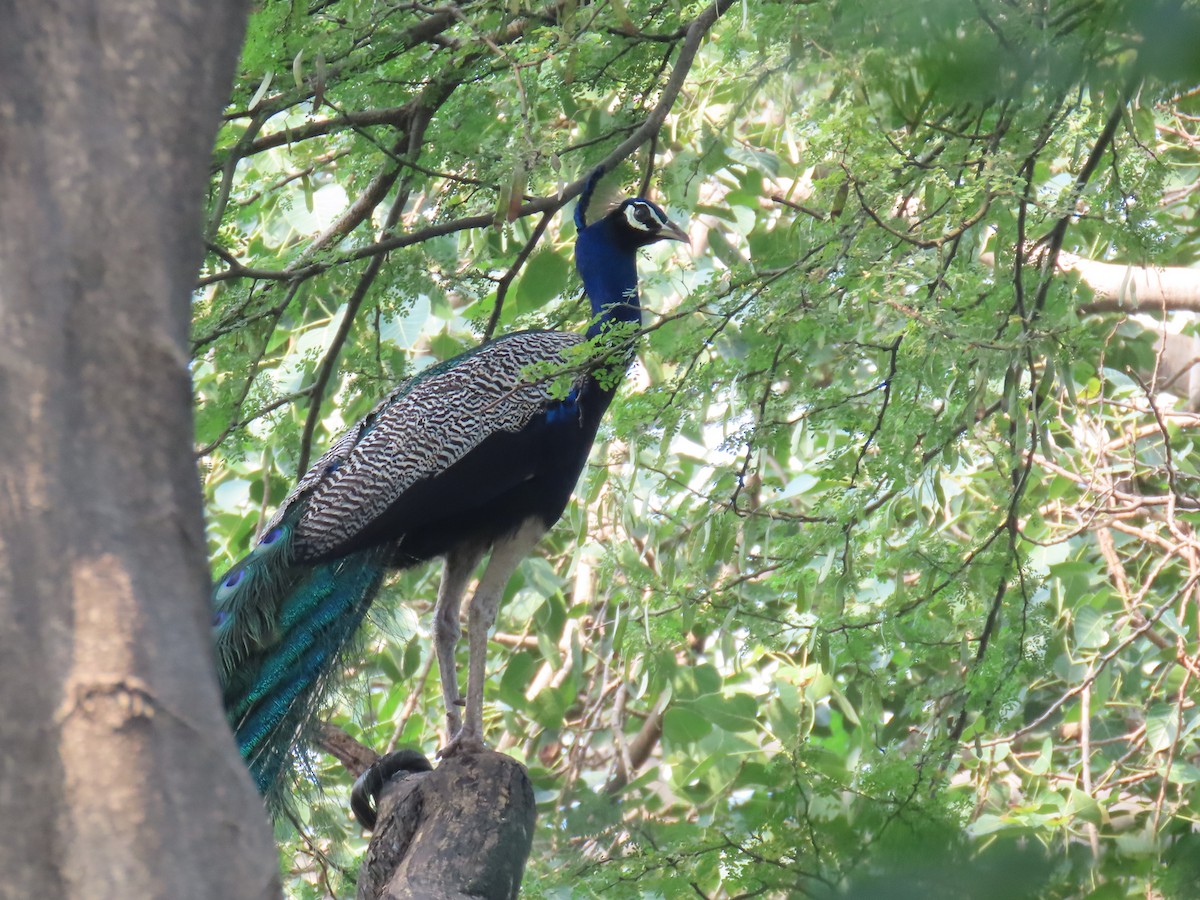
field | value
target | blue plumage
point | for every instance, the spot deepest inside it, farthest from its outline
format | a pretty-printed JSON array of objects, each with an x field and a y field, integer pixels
[{"x": 473, "y": 455}]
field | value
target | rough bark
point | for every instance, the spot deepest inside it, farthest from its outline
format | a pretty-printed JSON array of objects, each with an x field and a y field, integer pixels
[
  {"x": 461, "y": 831},
  {"x": 118, "y": 776}
]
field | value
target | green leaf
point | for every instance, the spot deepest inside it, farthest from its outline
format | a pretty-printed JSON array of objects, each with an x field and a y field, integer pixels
[
  {"x": 543, "y": 278},
  {"x": 738, "y": 712},
  {"x": 1090, "y": 628},
  {"x": 684, "y": 726},
  {"x": 518, "y": 674},
  {"x": 1162, "y": 726},
  {"x": 1041, "y": 765}
]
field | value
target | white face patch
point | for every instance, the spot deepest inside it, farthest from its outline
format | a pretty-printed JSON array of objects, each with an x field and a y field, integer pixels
[{"x": 644, "y": 217}]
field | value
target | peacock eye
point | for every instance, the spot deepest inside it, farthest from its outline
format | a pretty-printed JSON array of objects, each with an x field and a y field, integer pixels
[{"x": 642, "y": 217}]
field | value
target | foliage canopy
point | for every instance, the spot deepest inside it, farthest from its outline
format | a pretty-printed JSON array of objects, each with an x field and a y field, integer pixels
[{"x": 886, "y": 558}]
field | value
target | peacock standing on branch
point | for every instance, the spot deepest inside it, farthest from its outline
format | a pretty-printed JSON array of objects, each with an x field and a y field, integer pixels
[{"x": 474, "y": 454}]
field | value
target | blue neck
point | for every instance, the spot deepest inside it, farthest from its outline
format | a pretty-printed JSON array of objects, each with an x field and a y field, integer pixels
[{"x": 608, "y": 267}]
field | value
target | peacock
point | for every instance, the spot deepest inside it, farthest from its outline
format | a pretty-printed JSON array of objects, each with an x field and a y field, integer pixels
[{"x": 475, "y": 454}]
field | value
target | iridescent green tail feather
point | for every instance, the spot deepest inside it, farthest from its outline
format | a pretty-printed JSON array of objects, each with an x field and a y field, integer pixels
[{"x": 280, "y": 628}]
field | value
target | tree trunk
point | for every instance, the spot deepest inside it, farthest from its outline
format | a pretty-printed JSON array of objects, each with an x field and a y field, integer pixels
[
  {"x": 463, "y": 830},
  {"x": 118, "y": 776}
]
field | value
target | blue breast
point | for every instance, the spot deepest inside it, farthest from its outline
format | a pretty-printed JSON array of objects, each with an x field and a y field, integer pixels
[{"x": 565, "y": 410}]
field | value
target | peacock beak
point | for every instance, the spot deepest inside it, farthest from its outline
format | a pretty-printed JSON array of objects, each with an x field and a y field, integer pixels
[{"x": 672, "y": 232}]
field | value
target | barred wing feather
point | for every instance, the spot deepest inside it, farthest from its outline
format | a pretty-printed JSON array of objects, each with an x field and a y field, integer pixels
[{"x": 427, "y": 425}]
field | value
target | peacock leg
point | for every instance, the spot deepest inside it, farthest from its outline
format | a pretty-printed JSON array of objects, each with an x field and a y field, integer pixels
[
  {"x": 507, "y": 553},
  {"x": 460, "y": 563}
]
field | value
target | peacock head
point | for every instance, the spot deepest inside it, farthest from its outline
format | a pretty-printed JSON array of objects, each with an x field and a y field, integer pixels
[
  {"x": 606, "y": 254},
  {"x": 642, "y": 223},
  {"x": 633, "y": 223}
]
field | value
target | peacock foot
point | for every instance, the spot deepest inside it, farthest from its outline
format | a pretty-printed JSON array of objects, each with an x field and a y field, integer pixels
[{"x": 465, "y": 742}]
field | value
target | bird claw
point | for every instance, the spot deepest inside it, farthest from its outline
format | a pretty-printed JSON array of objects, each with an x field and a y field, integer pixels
[{"x": 462, "y": 743}]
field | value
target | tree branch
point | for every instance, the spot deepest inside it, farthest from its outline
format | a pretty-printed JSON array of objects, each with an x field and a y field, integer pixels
[
  {"x": 462, "y": 830},
  {"x": 1121, "y": 287},
  {"x": 507, "y": 279}
]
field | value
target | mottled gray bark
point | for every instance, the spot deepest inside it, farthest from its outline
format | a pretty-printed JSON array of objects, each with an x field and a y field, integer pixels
[
  {"x": 118, "y": 776},
  {"x": 461, "y": 831}
]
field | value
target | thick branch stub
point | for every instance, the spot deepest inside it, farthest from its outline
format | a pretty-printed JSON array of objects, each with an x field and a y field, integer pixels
[
  {"x": 462, "y": 831},
  {"x": 1120, "y": 287},
  {"x": 1126, "y": 288}
]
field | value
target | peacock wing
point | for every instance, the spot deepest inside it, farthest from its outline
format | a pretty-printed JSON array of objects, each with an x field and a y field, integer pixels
[{"x": 425, "y": 427}]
